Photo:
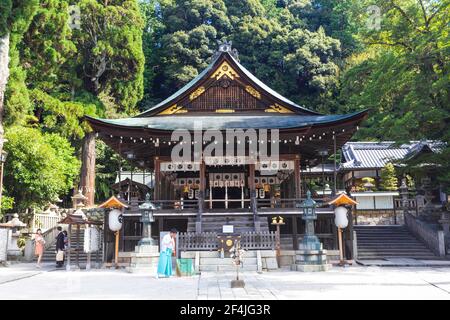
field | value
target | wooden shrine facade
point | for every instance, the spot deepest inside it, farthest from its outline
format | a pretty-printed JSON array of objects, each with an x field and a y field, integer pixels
[{"x": 245, "y": 188}]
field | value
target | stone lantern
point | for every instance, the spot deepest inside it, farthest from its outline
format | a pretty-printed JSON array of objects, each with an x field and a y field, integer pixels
[
  {"x": 146, "y": 253},
  {"x": 310, "y": 240},
  {"x": 310, "y": 256},
  {"x": 147, "y": 218},
  {"x": 78, "y": 200},
  {"x": 14, "y": 233}
]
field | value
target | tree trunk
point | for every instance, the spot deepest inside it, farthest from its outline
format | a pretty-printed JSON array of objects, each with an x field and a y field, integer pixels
[
  {"x": 4, "y": 74},
  {"x": 87, "y": 181}
]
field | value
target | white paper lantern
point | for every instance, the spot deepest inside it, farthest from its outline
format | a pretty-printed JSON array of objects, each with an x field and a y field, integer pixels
[
  {"x": 340, "y": 217},
  {"x": 115, "y": 220}
]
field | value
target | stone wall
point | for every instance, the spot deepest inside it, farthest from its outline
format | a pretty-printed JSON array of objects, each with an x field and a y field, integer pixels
[
  {"x": 433, "y": 238},
  {"x": 377, "y": 217}
]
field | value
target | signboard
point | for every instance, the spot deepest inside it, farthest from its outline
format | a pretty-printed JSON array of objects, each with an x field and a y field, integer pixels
[
  {"x": 91, "y": 239},
  {"x": 228, "y": 228},
  {"x": 226, "y": 242}
]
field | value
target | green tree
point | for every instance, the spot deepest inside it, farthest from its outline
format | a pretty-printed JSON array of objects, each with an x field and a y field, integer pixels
[
  {"x": 40, "y": 167},
  {"x": 403, "y": 75},
  {"x": 273, "y": 42},
  {"x": 15, "y": 17},
  {"x": 389, "y": 181}
]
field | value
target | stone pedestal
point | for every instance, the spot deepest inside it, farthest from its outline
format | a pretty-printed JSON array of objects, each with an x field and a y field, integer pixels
[
  {"x": 311, "y": 256},
  {"x": 144, "y": 259},
  {"x": 13, "y": 249}
]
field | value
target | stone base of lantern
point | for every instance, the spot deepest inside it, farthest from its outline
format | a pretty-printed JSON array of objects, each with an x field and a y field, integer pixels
[
  {"x": 144, "y": 259},
  {"x": 311, "y": 257},
  {"x": 14, "y": 252}
]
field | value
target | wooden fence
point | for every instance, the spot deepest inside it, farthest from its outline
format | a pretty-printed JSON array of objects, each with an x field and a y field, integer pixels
[{"x": 208, "y": 241}]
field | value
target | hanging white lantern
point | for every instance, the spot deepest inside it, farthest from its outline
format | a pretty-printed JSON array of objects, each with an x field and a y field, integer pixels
[
  {"x": 115, "y": 220},
  {"x": 340, "y": 217}
]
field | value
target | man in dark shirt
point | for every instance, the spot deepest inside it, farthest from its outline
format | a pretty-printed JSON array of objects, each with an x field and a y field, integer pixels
[{"x": 59, "y": 248}]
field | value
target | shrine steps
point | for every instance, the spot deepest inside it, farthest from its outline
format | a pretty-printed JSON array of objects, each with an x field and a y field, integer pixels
[
  {"x": 241, "y": 223},
  {"x": 379, "y": 242},
  {"x": 50, "y": 255}
]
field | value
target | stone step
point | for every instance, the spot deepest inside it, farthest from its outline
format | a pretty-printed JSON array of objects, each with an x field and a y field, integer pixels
[
  {"x": 398, "y": 256},
  {"x": 219, "y": 268},
  {"x": 392, "y": 247},
  {"x": 216, "y": 254},
  {"x": 224, "y": 261},
  {"x": 378, "y": 242},
  {"x": 381, "y": 252},
  {"x": 391, "y": 243}
]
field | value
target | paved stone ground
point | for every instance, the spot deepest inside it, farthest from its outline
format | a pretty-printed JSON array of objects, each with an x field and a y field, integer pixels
[{"x": 24, "y": 281}]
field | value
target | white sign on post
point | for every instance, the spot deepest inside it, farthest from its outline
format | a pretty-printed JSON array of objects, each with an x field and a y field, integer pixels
[
  {"x": 228, "y": 228},
  {"x": 3, "y": 244}
]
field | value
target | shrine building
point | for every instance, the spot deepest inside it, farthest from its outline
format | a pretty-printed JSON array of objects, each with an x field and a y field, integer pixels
[{"x": 216, "y": 179}]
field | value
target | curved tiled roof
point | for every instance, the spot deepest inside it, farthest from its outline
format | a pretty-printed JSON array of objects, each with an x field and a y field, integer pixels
[
  {"x": 361, "y": 155},
  {"x": 223, "y": 122}
]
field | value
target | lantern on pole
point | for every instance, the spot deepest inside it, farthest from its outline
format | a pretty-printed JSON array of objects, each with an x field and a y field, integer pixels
[
  {"x": 278, "y": 222},
  {"x": 115, "y": 220},
  {"x": 341, "y": 219}
]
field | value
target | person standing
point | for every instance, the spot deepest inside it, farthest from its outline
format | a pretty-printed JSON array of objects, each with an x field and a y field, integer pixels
[
  {"x": 39, "y": 246},
  {"x": 167, "y": 248},
  {"x": 59, "y": 248}
]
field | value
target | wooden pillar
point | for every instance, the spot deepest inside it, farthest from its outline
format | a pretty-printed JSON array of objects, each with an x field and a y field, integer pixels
[
  {"x": 210, "y": 197},
  {"x": 226, "y": 195},
  {"x": 253, "y": 203},
  {"x": 157, "y": 182},
  {"x": 298, "y": 191},
  {"x": 88, "y": 262},
  {"x": 116, "y": 249},
  {"x": 294, "y": 232},
  {"x": 201, "y": 196},
  {"x": 160, "y": 224},
  {"x": 69, "y": 246},
  {"x": 78, "y": 246}
]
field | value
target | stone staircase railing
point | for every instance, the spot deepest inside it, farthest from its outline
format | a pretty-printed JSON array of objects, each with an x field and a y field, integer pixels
[{"x": 434, "y": 239}]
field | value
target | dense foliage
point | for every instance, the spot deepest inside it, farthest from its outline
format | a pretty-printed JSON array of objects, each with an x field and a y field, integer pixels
[
  {"x": 388, "y": 177},
  {"x": 60, "y": 72},
  {"x": 332, "y": 56},
  {"x": 40, "y": 166}
]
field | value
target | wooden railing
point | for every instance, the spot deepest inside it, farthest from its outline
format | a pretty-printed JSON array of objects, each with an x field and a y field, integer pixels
[
  {"x": 258, "y": 240},
  {"x": 191, "y": 241},
  {"x": 262, "y": 204},
  {"x": 208, "y": 241},
  {"x": 282, "y": 203},
  {"x": 178, "y": 205}
]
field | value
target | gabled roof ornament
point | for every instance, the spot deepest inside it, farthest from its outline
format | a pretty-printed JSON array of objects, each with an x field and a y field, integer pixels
[{"x": 226, "y": 46}]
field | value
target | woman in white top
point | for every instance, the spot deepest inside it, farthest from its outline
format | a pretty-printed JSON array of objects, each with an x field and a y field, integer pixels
[{"x": 167, "y": 248}]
